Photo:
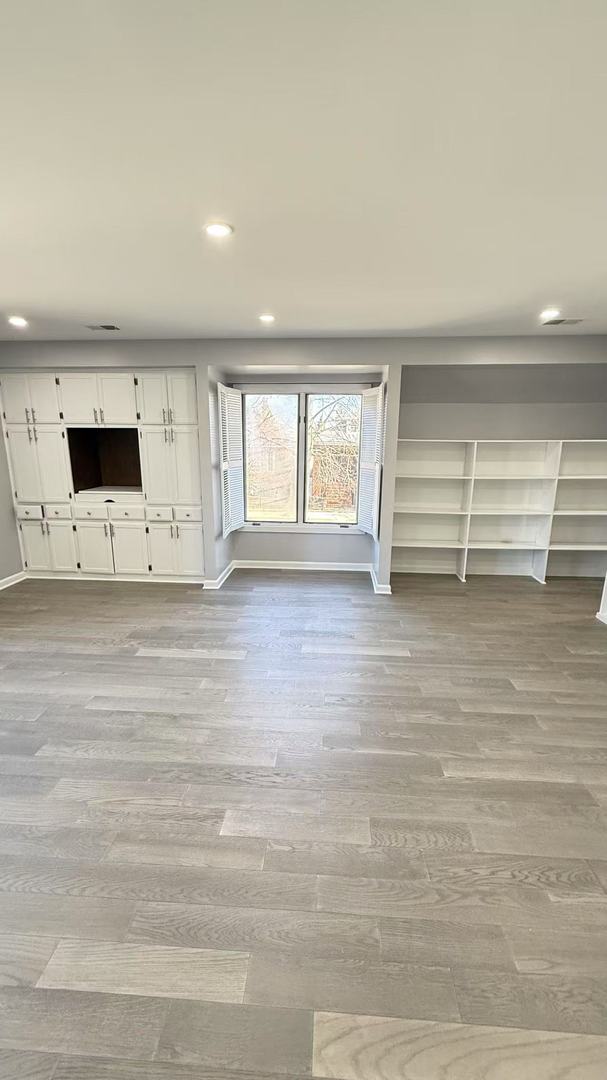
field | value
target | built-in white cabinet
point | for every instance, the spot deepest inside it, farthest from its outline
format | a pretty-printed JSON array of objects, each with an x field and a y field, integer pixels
[
  {"x": 106, "y": 526},
  {"x": 167, "y": 398},
  {"x": 95, "y": 546},
  {"x": 30, "y": 398},
  {"x": 130, "y": 546},
  {"x": 170, "y": 464},
  {"x": 49, "y": 545},
  {"x": 39, "y": 465},
  {"x": 105, "y": 398},
  {"x": 176, "y": 549}
]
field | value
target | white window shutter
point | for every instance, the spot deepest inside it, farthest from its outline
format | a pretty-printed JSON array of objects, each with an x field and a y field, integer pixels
[
  {"x": 232, "y": 467},
  {"x": 371, "y": 459}
]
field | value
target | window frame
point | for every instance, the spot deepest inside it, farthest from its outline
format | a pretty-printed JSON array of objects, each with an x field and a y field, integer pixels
[{"x": 301, "y": 525}]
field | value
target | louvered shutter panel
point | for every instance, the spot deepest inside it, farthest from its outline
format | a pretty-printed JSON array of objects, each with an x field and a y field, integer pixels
[
  {"x": 232, "y": 470},
  {"x": 371, "y": 458}
]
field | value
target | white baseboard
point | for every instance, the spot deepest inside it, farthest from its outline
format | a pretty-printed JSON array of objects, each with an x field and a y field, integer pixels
[
  {"x": 216, "y": 583},
  {"x": 382, "y": 590},
  {"x": 270, "y": 564},
  {"x": 13, "y": 579},
  {"x": 79, "y": 575}
]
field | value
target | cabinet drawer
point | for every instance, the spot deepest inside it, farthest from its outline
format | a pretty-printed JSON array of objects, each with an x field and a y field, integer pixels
[
  {"x": 91, "y": 513},
  {"x": 188, "y": 513},
  {"x": 126, "y": 513},
  {"x": 31, "y": 512},
  {"x": 57, "y": 510},
  {"x": 159, "y": 513}
]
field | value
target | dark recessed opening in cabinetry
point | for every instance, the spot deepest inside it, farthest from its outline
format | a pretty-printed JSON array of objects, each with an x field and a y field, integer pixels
[{"x": 104, "y": 457}]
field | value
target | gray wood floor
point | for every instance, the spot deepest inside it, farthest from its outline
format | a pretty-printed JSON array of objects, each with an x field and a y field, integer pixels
[{"x": 293, "y": 829}]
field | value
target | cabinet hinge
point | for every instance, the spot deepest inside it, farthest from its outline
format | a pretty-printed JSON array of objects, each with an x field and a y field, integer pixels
[
  {"x": 20, "y": 527},
  {"x": 78, "y": 566},
  {"x": 149, "y": 566},
  {"x": 16, "y": 496},
  {"x": 25, "y": 563},
  {"x": 57, "y": 383},
  {"x": 4, "y": 414},
  {"x": 136, "y": 381}
]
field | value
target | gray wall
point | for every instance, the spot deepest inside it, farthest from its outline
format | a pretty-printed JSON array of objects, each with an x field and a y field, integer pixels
[
  {"x": 10, "y": 556},
  {"x": 540, "y": 401}
]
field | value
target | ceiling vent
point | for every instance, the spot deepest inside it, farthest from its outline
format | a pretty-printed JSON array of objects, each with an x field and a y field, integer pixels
[
  {"x": 103, "y": 326},
  {"x": 561, "y": 320}
]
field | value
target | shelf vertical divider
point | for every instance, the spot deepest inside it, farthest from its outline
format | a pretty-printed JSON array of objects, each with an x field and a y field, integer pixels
[
  {"x": 540, "y": 559},
  {"x": 470, "y": 470}
]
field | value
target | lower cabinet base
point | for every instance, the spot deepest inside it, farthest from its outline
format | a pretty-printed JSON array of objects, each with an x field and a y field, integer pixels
[{"x": 80, "y": 575}]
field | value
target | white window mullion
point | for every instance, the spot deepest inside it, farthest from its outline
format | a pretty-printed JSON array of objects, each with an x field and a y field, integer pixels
[{"x": 301, "y": 458}]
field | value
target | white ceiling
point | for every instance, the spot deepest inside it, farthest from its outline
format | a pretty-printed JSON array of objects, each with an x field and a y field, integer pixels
[{"x": 419, "y": 167}]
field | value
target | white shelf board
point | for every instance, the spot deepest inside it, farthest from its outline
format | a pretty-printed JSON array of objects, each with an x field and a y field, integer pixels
[
  {"x": 431, "y": 476},
  {"x": 401, "y": 508},
  {"x": 580, "y": 513},
  {"x": 504, "y": 511},
  {"x": 582, "y": 476},
  {"x": 578, "y": 547},
  {"x": 428, "y": 544},
  {"x": 503, "y": 545},
  {"x": 514, "y": 476}
]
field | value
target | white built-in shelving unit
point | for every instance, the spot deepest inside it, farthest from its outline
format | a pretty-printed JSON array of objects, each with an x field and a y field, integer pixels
[{"x": 530, "y": 507}]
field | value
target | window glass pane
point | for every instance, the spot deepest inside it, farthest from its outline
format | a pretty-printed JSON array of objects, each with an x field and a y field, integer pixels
[
  {"x": 333, "y": 438},
  {"x": 271, "y": 456}
]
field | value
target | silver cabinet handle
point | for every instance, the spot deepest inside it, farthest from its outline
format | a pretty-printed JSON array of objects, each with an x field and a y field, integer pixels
[
  {"x": 177, "y": 528},
  {"x": 29, "y": 434},
  {"x": 112, "y": 533},
  {"x": 171, "y": 421},
  {"x": 34, "y": 416},
  {"x": 171, "y": 532},
  {"x": 35, "y": 435},
  {"x": 48, "y": 529},
  {"x": 101, "y": 415},
  {"x": 172, "y": 434},
  {"x": 164, "y": 416},
  {"x": 165, "y": 435},
  {"x": 42, "y": 527},
  {"x": 27, "y": 416},
  {"x": 105, "y": 528},
  {"x": 95, "y": 415}
]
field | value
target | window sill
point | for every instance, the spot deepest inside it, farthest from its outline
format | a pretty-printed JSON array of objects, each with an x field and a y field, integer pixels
[{"x": 299, "y": 527}]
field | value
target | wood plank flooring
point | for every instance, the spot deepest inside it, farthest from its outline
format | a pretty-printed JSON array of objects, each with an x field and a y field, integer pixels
[{"x": 293, "y": 829}]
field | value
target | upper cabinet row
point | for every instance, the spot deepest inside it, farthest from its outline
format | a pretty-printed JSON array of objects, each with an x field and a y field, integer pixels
[{"x": 100, "y": 398}]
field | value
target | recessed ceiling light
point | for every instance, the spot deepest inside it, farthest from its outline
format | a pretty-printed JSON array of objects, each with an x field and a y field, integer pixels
[
  {"x": 218, "y": 229},
  {"x": 266, "y": 317},
  {"x": 18, "y": 321},
  {"x": 549, "y": 313}
]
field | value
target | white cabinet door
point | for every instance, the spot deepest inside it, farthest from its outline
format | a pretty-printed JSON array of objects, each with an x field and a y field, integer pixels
[
  {"x": 79, "y": 397},
  {"x": 162, "y": 547},
  {"x": 24, "y": 463},
  {"x": 95, "y": 546},
  {"x": 184, "y": 442},
  {"x": 130, "y": 547},
  {"x": 189, "y": 557},
  {"x": 182, "y": 397},
  {"x": 15, "y": 399},
  {"x": 35, "y": 545},
  {"x": 117, "y": 399},
  {"x": 157, "y": 462},
  {"x": 62, "y": 546},
  {"x": 152, "y": 398},
  {"x": 44, "y": 401},
  {"x": 52, "y": 463}
]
